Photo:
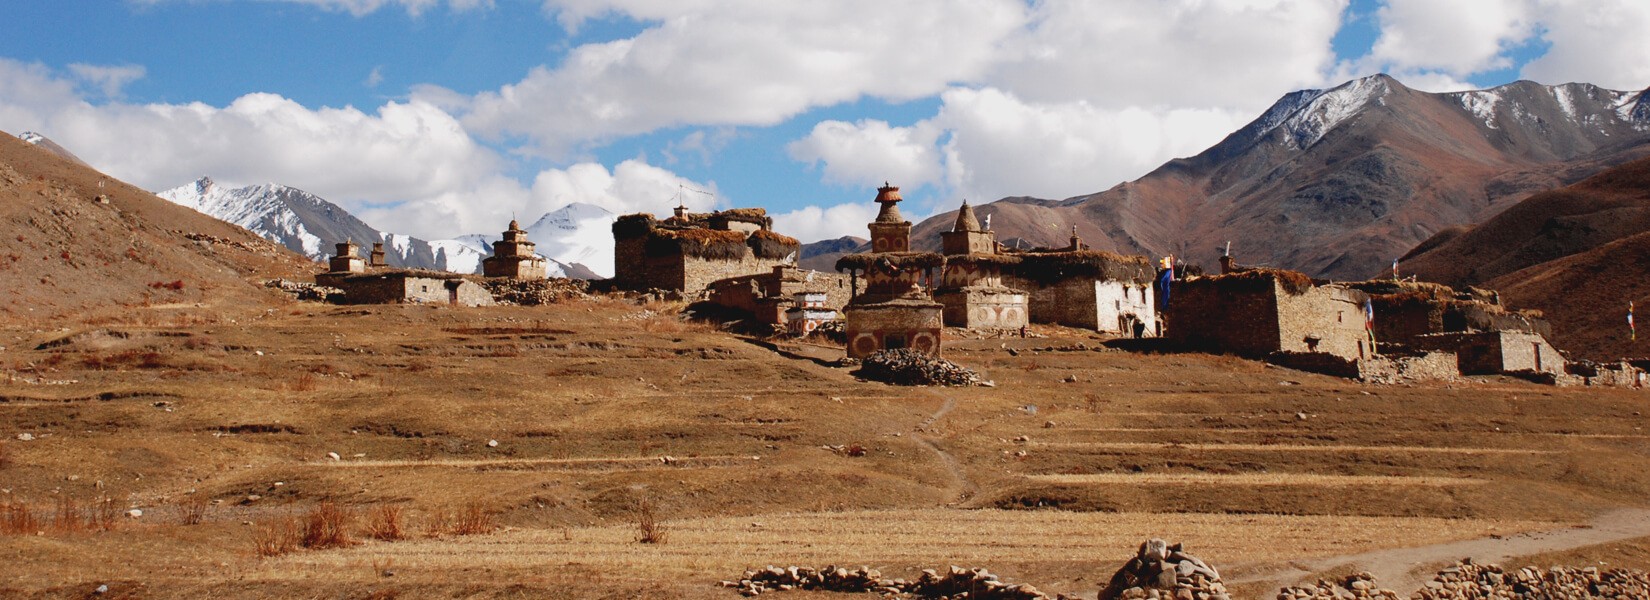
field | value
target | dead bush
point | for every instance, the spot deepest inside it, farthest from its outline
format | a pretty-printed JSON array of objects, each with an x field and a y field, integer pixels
[
  {"x": 68, "y": 518},
  {"x": 18, "y": 518},
  {"x": 306, "y": 382},
  {"x": 326, "y": 526},
  {"x": 648, "y": 528},
  {"x": 193, "y": 511},
  {"x": 384, "y": 523},
  {"x": 275, "y": 537},
  {"x": 104, "y": 514},
  {"x": 437, "y": 523},
  {"x": 474, "y": 519}
]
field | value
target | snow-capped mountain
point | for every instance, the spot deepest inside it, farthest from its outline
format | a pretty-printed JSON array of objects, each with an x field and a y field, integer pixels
[
  {"x": 50, "y": 146},
  {"x": 577, "y": 239}
]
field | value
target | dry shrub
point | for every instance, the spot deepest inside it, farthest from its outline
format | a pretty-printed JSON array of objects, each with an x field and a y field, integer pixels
[
  {"x": 474, "y": 519},
  {"x": 275, "y": 537},
  {"x": 17, "y": 518},
  {"x": 1031, "y": 366},
  {"x": 327, "y": 526},
  {"x": 648, "y": 528},
  {"x": 104, "y": 514},
  {"x": 68, "y": 518},
  {"x": 306, "y": 382},
  {"x": 193, "y": 510},
  {"x": 437, "y": 523},
  {"x": 384, "y": 523}
]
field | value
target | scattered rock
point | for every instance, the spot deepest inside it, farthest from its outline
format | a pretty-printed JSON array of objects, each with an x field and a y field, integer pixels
[
  {"x": 974, "y": 584},
  {"x": 909, "y": 367},
  {"x": 492, "y": 443},
  {"x": 25, "y": 437},
  {"x": 135, "y": 513},
  {"x": 102, "y": 589},
  {"x": 334, "y": 456}
]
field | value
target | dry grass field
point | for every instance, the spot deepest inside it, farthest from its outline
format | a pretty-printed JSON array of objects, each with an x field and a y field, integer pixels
[{"x": 517, "y": 446}]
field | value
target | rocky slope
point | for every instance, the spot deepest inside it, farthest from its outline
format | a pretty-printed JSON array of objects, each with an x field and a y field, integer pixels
[{"x": 78, "y": 244}]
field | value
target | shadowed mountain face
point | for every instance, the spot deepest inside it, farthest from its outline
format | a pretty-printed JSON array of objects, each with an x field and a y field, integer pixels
[
  {"x": 1577, "y": 253},
  {"x": 1339, "y": 182}
]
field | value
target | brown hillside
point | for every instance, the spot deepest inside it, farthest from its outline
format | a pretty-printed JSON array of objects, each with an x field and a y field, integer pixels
[
  {"x": 1585, "y": 297},
  {"x": 1610, "y": 206},
  {"x": 66, "y": 254}
]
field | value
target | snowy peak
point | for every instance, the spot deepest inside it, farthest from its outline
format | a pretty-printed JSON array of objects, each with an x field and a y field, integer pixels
[
  {"x": 1328, "y": 110},
  {"x": 48, "y": 145},
  {"x": 31, "y": 137}
]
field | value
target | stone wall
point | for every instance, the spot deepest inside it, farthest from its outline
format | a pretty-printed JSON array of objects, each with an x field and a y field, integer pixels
[
  {"x": 630, "y": 263},
  {"x": 1327, "y": 319},
  {"x": 748, "y": 292},
  {"x": 400, "y": 288},
  {"x": 1427, "y": 366},
  {"x": 1070, "y": 302},
  {"x": 1495, "y": 352},
  {"x": 696, "y": 274},
  {"x": 913, "y": 324}
]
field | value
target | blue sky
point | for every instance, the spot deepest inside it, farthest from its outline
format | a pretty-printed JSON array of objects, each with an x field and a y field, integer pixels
[{"x": 437, "y": 117}]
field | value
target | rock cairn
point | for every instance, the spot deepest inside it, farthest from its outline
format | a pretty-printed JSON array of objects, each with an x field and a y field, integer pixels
[
  {"x": 1467, "y": 580},
  {"x": 1160, "y": 570},
  {"x": 909, "y": 367},
  {"x": 1353, "y": 587},
  {"x": 957, "y": 584},
  {"x": 534, "y": 292}
]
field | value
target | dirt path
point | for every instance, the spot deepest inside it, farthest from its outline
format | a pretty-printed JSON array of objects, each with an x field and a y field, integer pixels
[
  {"x": 1407, "y": 569},
  {"x": 961, "y": 487}
]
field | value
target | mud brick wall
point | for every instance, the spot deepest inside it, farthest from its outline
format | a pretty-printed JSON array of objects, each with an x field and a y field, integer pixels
[
  {"x": 696, "y": 274},
  {"x": 1115, "y": 300},
  {"x": 1070, "y": 302},
  {"x": 1492, "y": 352},
  {"x": 1403, "y": 322},
  {"x": 1529, "y": 352},
  {"x": 904, "y": 324},
  {"x": 1206, "y": 317},
  {"x": 630, "y": 263},
  {"x": 983, "y": 308}
]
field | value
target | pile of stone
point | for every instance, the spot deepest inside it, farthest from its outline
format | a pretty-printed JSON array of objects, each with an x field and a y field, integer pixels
[
  {"x": 957, "y": 584},
  {"x": 535, "y": 292},
  {"x": 905, "y": 366},
  {"x": 1161, "y": 570},
  {"x": 307, "y": 291},
  {"x": 1468, "y": 580},
  {"x": 1353, "y": 587}
]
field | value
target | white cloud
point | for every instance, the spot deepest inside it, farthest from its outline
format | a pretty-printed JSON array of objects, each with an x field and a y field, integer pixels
[
  {"x": 109, "y": 79},
  {"x": 813, "y": 223},
  {"x": 375, "y": 77},
  {"x": 1456, "y": 38},
  {"x": 1174, "y": 53},
  {"x": 749, "y": 62},
  {"x": 1594, "y": 41},
  {"x": 870, "y": 152}
]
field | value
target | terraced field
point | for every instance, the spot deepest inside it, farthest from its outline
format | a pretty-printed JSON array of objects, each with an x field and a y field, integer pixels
[{"x": 558, "y": 423}]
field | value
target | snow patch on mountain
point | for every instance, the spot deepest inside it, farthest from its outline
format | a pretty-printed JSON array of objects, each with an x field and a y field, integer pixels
[
  {"x": 1561, "y": 93},
  {"x": 1482, "y": 104},
  {"x": 31, "y": 137},
  {"x": 1328, "y": 110}
]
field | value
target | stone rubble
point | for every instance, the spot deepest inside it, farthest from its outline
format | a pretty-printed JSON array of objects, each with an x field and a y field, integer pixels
[
  {"x": 909, "y": 367},
  {"x": 535, "y": 292},
  {"x": 307, "y": 291},
  {"x": 1163, "y": 571},
  {"x": 957, "y": 584},
  {"x": 1467, "y": 580}
]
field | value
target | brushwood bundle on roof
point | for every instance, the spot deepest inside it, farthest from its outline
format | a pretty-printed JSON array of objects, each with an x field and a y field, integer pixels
[
  {"x": 633, "y": 226},
  {"x": 1049, "y": 267},
  {"x": 696, "y": 242},
  {"x": 1293, "y": 283},
  {"x": 770, "y": 245},
  {"x": 754, "y": 216},
  {"x": 1405, "y": 289},
  {"x": 981, "y": 259},
  {"x": 890, "y": 261}
]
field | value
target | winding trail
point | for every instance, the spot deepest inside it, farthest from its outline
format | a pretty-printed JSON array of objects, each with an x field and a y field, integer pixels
[
  {"x": 1407, "y": 569},
  {"x": 961, "y": 487}
]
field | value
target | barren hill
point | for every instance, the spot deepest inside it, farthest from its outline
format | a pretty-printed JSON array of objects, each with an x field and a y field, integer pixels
[
  {"x": 1339, "y": 182},
  {"x": 1578, "y": 253},
  {"x": 66, "y": 252}
]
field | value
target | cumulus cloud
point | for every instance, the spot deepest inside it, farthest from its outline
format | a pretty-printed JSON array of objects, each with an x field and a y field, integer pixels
[
  {"x": 1456, "y": 38},
  {"x": 870, "y": 152},
  {"x": 814, "y": 223},
  {"x": 407, "y": 167},
  {"x": 109, "y": 79},
  {"x": 1176, "y": 53},
  {"x": 1594, "y": 41},
  {"x": 750, "y": 62}
]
